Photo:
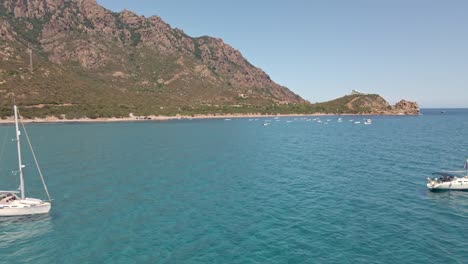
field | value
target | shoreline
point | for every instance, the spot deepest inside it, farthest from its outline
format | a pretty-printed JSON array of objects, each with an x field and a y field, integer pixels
[{"x": 55, "y": 120}]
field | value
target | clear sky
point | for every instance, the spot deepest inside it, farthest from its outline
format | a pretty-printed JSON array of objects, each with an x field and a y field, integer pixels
[{"x": 412, "y": 49}]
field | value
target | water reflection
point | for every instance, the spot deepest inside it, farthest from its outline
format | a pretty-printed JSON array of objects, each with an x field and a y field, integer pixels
[
  {"x": 457, "y": 200},
  {"x": 22, "y": 229}
]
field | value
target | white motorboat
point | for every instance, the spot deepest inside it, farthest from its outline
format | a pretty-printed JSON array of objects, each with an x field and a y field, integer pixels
[
  {"x": 15, "y": 203},
  {"x": 450, "y": 180}
]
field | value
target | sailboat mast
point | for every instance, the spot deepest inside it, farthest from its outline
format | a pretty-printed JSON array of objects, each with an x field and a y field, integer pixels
[
  {"x": 20, "y": 163},
  {"x": 466, "y": 167}
]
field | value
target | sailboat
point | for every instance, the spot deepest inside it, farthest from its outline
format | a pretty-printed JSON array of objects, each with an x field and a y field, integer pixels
[
  {"x": 15, "y": 203},
  {"x": 450, "y": 180}
]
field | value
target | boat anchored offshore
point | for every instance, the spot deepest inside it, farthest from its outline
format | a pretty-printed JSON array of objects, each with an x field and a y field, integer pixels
[
  {"x": 10, "y": 203},
  {"x": 450, "y": 180}
]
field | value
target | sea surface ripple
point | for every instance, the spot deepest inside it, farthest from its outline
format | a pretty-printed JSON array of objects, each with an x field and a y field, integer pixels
[{"x": 236, "y": 191}]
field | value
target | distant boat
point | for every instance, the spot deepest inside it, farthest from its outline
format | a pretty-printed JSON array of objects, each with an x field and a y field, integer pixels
[
  {"x": 10, "y": 203},
  {"x": 266, "y": 124},
  {"x": 450, "y": 180},
  {"x": 442, "y": 112},
  {"x": 357, "y": 122}
]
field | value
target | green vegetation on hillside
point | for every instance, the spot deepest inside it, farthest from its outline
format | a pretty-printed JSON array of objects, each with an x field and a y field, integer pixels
[{"x": 111, "y": 108}]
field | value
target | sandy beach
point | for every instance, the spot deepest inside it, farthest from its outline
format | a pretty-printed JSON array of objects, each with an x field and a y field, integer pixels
[{"x": 53, "y": 119}]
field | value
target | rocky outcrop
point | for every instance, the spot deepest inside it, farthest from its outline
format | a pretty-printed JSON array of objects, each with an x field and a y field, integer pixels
[
  {"x": 406, "y": 108},
  {"x": 5, "y": 32},
  {"x": 32, "y": 8}
]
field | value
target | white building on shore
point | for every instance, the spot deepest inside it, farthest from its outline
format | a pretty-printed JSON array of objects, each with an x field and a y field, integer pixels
[{"x": 356, "y": 92}]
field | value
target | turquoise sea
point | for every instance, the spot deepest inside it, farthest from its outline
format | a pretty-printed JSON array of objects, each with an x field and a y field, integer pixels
[{"x": 220, "y": 191}]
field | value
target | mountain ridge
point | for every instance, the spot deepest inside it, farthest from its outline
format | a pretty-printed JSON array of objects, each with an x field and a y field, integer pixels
[
  {"x": 90, "y": 61},
  {"x": 86, "y": 33}
]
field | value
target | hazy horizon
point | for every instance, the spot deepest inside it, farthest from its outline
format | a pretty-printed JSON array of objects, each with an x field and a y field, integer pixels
[{"x": 322, "y": 50}]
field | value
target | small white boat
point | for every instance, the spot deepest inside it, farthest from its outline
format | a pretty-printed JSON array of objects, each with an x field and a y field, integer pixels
[
  {"x": 10, "y": 203},
  {"x": 450, "y": 180},
  {"x": 357, "y": 122},
  {"x": 266, "y": 124},
  {"x": 368, "y": 122}
]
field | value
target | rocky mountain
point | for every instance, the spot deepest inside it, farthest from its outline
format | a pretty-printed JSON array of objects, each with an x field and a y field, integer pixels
[
  {"x": 88, "y": 61},
  {"x": 87, "y": 57}
]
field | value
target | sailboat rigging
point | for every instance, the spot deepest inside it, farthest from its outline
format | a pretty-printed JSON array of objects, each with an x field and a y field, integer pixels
[{"x": 10, "y": 203}]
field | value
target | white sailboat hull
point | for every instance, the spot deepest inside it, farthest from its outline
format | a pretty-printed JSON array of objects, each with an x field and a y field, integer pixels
[
  {"x": 460, "y": 184},
  {"x": 25, "y": 207}
]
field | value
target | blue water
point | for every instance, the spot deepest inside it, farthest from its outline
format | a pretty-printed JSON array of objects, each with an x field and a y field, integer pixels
[{"x": 216, "y": 191}]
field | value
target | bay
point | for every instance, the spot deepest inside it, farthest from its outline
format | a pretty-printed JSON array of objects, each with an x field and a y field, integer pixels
[{"x": 217, "y": 191}]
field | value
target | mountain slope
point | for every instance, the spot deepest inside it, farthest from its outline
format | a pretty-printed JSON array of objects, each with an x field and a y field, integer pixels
[{"x": 91, "y": 61}]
